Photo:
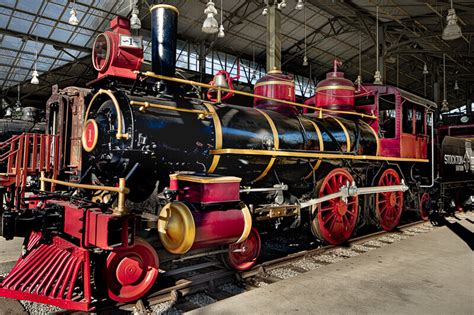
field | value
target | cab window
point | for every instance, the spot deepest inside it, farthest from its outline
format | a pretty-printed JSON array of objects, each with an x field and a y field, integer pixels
[
  {"x": 407, "y": 119},
  {"x": 387, "y": 115},
  {"x": 420, "y": 120}
]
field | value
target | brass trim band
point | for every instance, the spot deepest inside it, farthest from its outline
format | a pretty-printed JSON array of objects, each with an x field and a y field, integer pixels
[
  {"x": 335, "y": 87},
  {"x": 120, "y": 121},
  {"x": 377, "y": 151},
  {"x": 313, "y": 155},
  {"x": 321, "y": 148},
  {"x": 289, "y": 83},
  {"x": 247, "y": 222},
  {"x": 165, "y": 6},
  {"x": 344, "y": 129},
  {"x": 218, "y": 137},
  {"x": 276, "y": 145}
]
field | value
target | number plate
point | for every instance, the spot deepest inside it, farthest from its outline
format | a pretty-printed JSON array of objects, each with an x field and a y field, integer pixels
[{"x": 130, "y": 41}]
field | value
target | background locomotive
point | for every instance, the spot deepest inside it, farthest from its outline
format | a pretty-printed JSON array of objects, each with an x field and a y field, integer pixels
[{"x": 220, "y": 172}]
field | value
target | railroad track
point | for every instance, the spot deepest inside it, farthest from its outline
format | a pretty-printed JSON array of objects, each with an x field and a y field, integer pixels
[{"x": 209, "y": 281}]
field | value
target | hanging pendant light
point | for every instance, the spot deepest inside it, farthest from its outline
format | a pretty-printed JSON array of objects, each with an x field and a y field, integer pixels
[
  {"x": 135, "y": 23},
  {"x": 358, "y": 81},
  {"x": 221, "y": 33},
  {"x": 377, "y": 75},
  {"x": 425, "y": 69},
  {"x": 210, "y": 25},
  {"x": 444, "y": 103},
  {"x": 456, "y": 86},
  {"x": 265, "y": 11},
  {"x": 35, "y": 75},
  {"x": 73, "y": 20},
  {"x": 452, "y": 30},
  {"x": 299, "y": 5},
  {"x": 305, "y": 57},
  {"x": 281, "y": 5}
]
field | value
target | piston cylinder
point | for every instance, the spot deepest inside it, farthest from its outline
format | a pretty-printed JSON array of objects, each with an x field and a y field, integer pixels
[{"x": 182, "y": 227}]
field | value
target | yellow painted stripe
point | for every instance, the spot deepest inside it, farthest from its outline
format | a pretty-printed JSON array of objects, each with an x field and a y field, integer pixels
[
  {"x": 348, "y": 139},
  {"x": 377, "y": 152},
  {"x": 314, "y": 155},
  {"x": 321, "y": 148},
  {"x": 218, "y": 137},
  {"x": 276, "y": 145}
]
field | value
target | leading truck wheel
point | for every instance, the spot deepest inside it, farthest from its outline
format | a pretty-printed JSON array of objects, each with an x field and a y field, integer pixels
[
  {"x": 389, "y": 205},
  {"x": 335, "y": 219},
  {"x": 131, "y": 272},
  {"x": 243, "y": 256}
]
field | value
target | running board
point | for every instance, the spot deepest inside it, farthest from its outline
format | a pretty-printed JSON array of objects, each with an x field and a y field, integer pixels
[{"x": 50, "y": 273}]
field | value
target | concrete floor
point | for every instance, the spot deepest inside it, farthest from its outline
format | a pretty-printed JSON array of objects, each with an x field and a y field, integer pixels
[{"x": 429, "y": 273}]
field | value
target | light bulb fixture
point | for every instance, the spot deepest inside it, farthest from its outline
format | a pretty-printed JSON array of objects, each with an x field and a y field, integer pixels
[
  {"x": 265, "y": 11},
  {"x": 135, "y": 23},
  {"x": 73, "y": 20},
  {"x": 377, "y": 75},
  {"x": 210, "y": 25},
  {"x": 221, "y": 33},
  {"x": 305, "y": 57},
  {"x": 444, "y": 106},
  {"x": 452, "y": 30},
  {"x": 35, "y": 75},
  {"x": 425, "y": 69},
  {"x": 34, "y": 78},
  {"x": 281, "y": 5},
  {"x": 299, "y": 5},
  {"x": 456, "y": 85},
  {"x": 444, "y": 103},
  {"x": 305, "y": 61}
]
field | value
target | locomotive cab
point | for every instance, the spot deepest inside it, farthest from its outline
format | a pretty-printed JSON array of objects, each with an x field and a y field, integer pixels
[{"x": 404, "y": 123}]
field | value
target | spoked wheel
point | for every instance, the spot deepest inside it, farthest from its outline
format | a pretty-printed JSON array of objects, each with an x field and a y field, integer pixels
[
  {"x": 335, "y": 219},
  {"x": 131, "y": 272},
  {"x": 425, "y": 206},
  {"x": 243, "y": 256},
  {"x": 389, "y": 205}
]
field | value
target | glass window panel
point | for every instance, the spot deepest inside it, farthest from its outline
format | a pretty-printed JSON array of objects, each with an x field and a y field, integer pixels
[
  {"x": 29, "y": 5},
  {"x": 19, "y": 25},
  {"x": 407, "y": 120},
  {"x": 53, "y": 10},
  {"x": 61, "y": 35},
  {"x": 42, "y": 30}
]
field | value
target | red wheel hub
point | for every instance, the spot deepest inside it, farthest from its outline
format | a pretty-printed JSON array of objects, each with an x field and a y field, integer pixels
[
  {"x": 335, "y": 219},
  {"x": 389, "y": 205},
  {"x": 244, "y": 255},
  {"x": 131, "y": 272}
]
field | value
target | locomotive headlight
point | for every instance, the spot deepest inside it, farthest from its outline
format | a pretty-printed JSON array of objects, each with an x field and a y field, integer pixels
[{"x": 101, "y": 52}]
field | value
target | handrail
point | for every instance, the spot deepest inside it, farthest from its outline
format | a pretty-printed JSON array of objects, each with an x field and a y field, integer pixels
[
  {"x": 121, "y": 190},
  {"x": 145, "y": 105},
  {"x": 219, "y": 89}
]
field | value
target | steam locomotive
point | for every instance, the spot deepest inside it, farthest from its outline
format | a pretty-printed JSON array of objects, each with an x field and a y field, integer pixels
[{"x": 220, "y": 173}]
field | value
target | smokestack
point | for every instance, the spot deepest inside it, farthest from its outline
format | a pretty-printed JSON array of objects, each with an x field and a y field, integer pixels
[
  {"x": 164, "y": 26},
  {"x": 273, "y": 39}
]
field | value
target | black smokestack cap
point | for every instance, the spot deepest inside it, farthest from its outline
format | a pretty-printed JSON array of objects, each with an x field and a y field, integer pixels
[{"x": 164, "y": 28}]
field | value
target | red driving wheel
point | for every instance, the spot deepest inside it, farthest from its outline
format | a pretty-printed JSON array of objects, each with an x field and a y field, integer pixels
[
  {"x": 335, "y": 219},
  {"x": 389, "y": 205},
  {"x": 243, "y": 256},
  {"x": 424, "y": 206},
  {"x": 131, "y": 272}
]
